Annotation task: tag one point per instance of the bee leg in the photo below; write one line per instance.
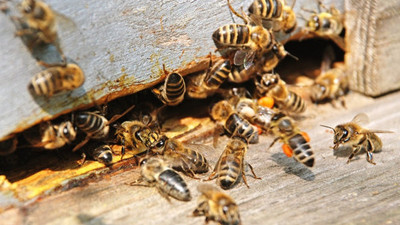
(369, 150)
(212, 176)
(116, 117)
(201, 208)
(80, 145)
(82, 160)
(252, 171)
(273, 142)
(218, 131)
(355, 151)
(244, 179)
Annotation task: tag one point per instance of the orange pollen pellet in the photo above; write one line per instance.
(259, 129)
(287, 150)
(305, 135)
(266, 102)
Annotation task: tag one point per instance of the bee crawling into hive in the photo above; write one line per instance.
(358, 138)
(216, 206)
(172, 92)
(156, 173)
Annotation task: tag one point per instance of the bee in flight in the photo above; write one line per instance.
(295, 142)
(272, 85)
(182, 158)
(327, 24)
(155, 173)
(234, 124)
(172, 92)
(55, 79)
(231, 164)
(359, 138)
(216, 206)
(279, 15)
(40, 21)
(246, 40)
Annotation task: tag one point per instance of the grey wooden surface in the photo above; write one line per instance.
(120, 45)
(373, 45)
(332, 192)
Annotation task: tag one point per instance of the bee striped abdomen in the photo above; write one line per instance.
(220, 75)
(46, 83)
(92, 124)
(230, 172)
(295, 103)
(267, 9)
(301, 150)
(238, 126)
(174, 89)
(173, 184)
(231, 35)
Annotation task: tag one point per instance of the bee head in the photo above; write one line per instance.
(27, 6)
(269, 80)
(229, 212)
(318, 92)
(342, 134)
(313, 24)
(68, 131)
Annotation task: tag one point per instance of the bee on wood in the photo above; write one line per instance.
(273, 86)
(280, 15)
(207, 84)
(137, 136)
(247, 40)
(328, 24)
(295, 142)
(216, 206)
(40, 20)
(56, 79)
(8, 144)
(180, 157)
(172, 92)
(95, 125)
(231, 164)
(51, 136)
(251, 111)
(232, 122)
(359, 138)
(155, 173)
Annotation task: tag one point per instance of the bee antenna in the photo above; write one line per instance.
(292, 56)
(293, 3)
(327, 127)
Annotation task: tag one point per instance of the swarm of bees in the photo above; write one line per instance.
(249, 54)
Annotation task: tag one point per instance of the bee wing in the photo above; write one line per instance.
(360, 119)
(239, 57)
(379, 131)
(207, 189)
(339, 41)
(248, 60)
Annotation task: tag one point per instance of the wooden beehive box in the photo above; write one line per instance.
(373, 45)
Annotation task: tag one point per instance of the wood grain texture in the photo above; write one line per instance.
(374, 48)
(332, 192)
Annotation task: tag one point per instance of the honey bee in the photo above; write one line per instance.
(52, 136)
(330, 85)
(135, 135)
(8, 144)
(272, 85)
(274, 56)
(103, 154)
(248, 40)
(359, 138)
(56, 79)
(216, 206)
(41, 22)
(295, 142)
(206, 84)
(156, 173)
(251, 111)
(231, 165)
(282, 16)
(328, 24)
(96, 126)
(233, 123)
(240, 74)
(172, 92)
(180, 157)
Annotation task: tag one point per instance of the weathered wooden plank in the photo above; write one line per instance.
(373, 45)
(332, 192)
